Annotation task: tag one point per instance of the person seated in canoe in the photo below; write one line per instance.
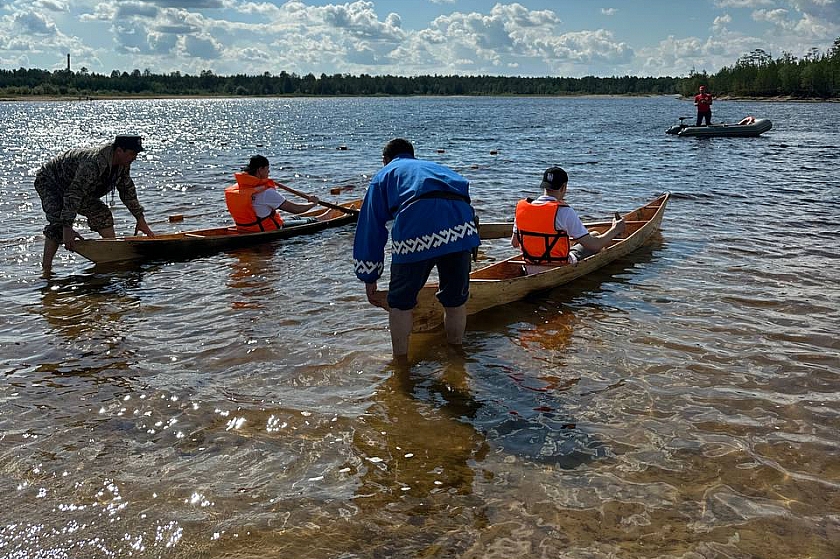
(254, 200)
(542, 228)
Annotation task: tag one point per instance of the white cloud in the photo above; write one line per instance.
(742, 3)
(253, 54)
(678, 56)
(585, 47)
(52, 5)
(202, 47)
(188, 4)
(101, 12)
(721, 22)
(828, 10)
(124, 10)
(131, 39)
(34, 23)
(161, 43)
(777, 17)
(353, 36)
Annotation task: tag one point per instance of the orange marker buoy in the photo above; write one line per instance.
(174, 218)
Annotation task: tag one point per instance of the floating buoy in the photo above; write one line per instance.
(174, 218)
(335, 190)
(441, 151)
(494, 152)
(342, 148)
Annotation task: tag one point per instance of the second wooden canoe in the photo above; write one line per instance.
(188, 244)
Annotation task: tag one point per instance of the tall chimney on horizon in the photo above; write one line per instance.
(68, 61)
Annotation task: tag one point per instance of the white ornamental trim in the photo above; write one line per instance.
(367, 267)
(434, 240)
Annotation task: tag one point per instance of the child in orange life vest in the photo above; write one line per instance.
(543, 227)
(254, 200)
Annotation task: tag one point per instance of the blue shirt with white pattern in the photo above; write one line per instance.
(435, 224)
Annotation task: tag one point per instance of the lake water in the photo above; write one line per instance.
(684, 402)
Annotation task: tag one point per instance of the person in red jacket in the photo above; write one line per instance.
(703, 102)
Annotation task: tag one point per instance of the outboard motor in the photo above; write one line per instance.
(677, 128)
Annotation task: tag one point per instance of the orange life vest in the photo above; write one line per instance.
(240, 203)
(538, 238)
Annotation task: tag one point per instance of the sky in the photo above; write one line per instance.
(568, 38)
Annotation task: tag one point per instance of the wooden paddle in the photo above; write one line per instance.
(350, 211)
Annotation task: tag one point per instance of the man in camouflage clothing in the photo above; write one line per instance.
(74, 182)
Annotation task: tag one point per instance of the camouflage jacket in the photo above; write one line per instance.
(82, 174)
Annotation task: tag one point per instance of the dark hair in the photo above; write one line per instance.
(256, 162)
(395, 147)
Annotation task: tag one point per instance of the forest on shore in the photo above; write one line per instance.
(816, 75)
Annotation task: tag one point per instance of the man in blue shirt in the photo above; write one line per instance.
(433, 225)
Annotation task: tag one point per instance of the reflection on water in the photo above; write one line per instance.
(419, 450)
(681, 402)
(250, 271)
(77, 305)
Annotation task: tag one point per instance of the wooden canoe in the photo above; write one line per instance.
(188, 244)
(511, 280)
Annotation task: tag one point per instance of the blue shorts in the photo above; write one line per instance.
(454, 274)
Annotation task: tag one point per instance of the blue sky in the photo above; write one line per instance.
(571, 38)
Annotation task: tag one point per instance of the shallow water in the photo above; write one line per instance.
(681, 403)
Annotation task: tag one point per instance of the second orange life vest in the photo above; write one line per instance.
(240, 203)
(540, 241)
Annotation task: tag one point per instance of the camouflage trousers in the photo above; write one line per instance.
(98, 214)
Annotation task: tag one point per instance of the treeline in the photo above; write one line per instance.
(84, 83)
(816, 75)
(758, 74)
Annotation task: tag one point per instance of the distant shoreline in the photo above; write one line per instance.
(27, 98)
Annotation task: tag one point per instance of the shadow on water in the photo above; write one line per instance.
(518, 412)
(524, 410)
(620, 272)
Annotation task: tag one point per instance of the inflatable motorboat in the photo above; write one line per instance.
(749, 126)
